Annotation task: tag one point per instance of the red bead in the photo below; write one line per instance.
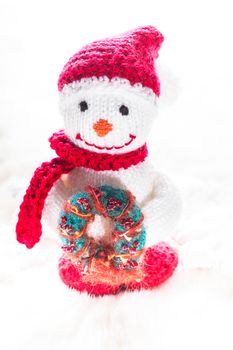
(85, 203)
(125, 247)
(127, 223)
(113, 204)
(70, 247)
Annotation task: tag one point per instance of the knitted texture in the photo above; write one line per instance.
(98, 268)
(128, 236)
(28, 228)
(156, 195)
(128, 56)
(80, 157)
(107, 116)
(158, 265)
(108, 98)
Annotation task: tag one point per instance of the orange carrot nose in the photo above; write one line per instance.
(102, 127)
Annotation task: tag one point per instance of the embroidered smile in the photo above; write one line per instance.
(132, 137)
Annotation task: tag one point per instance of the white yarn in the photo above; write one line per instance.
(105, 82)
(104, 98)
(155, 194)
(162, 210)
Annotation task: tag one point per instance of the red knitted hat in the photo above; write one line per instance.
(128, 56)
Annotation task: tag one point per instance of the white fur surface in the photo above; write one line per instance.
(191, 141)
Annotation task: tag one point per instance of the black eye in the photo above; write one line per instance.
(83, 106)
(124, 110)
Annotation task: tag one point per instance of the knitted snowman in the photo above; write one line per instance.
(108, 202)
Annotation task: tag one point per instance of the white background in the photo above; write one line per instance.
(191, 142)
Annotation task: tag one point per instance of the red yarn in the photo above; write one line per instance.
(28, 228)
(66, 150)
(158, 265)
(128, 56)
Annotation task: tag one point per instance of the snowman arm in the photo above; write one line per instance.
(162, 210)
(60, 192)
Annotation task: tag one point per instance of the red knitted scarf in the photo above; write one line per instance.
(28, 228)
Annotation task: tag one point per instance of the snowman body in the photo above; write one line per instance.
(112, 117)
(101, 192)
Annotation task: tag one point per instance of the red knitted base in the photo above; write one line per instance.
(158, 265)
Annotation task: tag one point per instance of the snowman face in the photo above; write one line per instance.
(107, 116)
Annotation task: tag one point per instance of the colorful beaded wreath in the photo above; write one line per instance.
(128, 236)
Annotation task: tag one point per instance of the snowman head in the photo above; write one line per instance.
(109, 92)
